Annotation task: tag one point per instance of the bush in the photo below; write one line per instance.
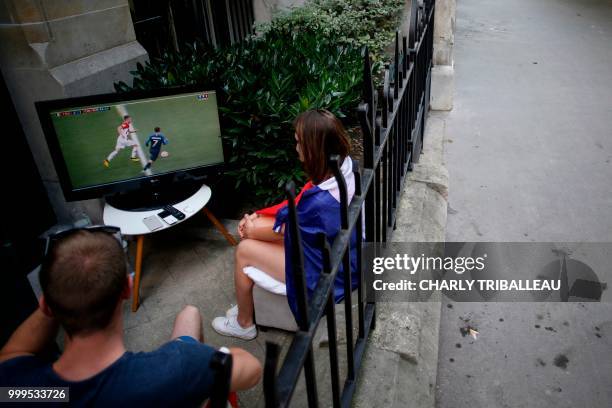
(267, 85)
(359, 23)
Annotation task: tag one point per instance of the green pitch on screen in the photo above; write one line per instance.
(191, 126)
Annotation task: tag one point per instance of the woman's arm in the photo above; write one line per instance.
(261, 228)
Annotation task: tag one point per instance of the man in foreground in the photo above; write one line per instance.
(85, 281)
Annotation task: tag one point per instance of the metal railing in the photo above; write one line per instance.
(393, 123)
(393, 120)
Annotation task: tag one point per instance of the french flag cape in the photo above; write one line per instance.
(318, 210)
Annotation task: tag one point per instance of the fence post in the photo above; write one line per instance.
(334, 162)
(299, 279)
(221, 364)
(367, 118)
(330, 313)
(269, 380)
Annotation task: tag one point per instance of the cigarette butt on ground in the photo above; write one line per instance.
(474, 334)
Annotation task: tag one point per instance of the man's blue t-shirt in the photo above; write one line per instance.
(175, 375)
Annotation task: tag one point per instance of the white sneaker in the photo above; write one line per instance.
(232, 311)
(229, 326)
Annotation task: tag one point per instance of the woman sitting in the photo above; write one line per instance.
(264, 236)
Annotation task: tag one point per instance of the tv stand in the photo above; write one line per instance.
(131, 221)
(153, 198)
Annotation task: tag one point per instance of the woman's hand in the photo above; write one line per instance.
(248, 218)
(258, 227)
(251, 223)
(241, 226)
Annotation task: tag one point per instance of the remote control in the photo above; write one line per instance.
(175, 212)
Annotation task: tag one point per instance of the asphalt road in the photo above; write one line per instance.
(529, 153)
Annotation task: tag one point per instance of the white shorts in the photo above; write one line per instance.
(123, 142)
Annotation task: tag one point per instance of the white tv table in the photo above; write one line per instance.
(131, 223)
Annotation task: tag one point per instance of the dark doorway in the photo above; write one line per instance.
(168, 25)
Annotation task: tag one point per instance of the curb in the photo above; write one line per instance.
(401, 360)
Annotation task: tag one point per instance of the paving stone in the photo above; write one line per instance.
(377, 389)
(131, 319)
(397, 330)
(150, 335)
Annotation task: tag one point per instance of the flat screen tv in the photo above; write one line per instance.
(136, 147)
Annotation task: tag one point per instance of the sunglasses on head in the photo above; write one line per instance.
(52, 239)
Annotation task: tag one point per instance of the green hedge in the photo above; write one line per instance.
(359, 23)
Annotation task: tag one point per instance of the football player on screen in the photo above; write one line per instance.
(123, 140)
(156, 141)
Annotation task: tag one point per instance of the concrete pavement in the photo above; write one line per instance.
(529, 147)
(529, 153)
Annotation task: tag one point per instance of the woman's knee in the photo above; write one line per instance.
(244, 249)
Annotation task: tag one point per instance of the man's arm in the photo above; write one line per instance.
(31, 336)
(246, 370)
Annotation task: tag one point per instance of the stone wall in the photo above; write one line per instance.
(443, 73)
(53, 49)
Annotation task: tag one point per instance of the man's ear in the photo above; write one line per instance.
(42, 303)
(127, 289)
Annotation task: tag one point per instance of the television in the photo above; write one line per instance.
(138, 149)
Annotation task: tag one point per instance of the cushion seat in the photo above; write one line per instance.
(270, 301)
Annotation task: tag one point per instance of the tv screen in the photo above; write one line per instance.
(117, 142)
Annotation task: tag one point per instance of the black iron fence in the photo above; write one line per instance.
(393, 123)
(393, 119)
